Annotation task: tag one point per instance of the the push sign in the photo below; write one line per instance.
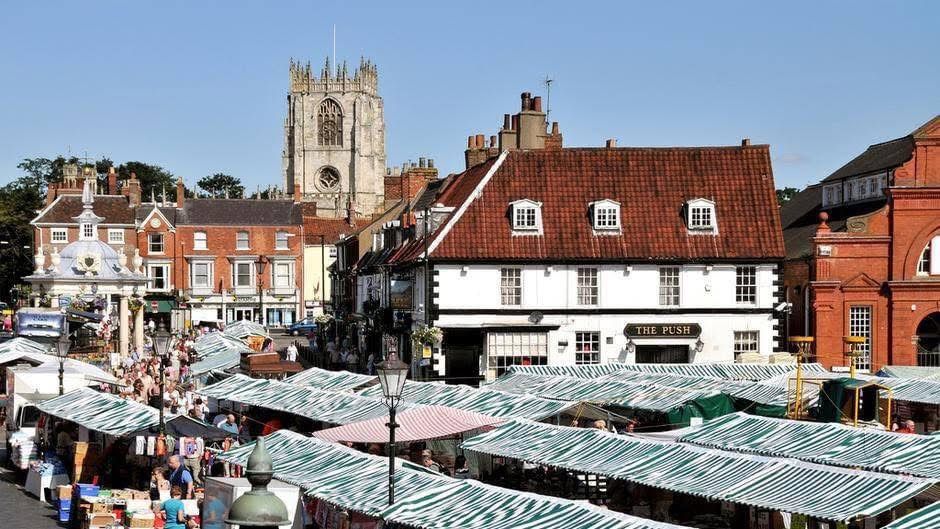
(662, 330)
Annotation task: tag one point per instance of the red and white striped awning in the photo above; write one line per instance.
(418, 424)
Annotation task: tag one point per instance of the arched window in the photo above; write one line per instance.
(330, 123)
(923, 264)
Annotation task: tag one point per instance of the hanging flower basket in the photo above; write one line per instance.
(135, 304)
(78, 304)
(425, 335)
(323, 318)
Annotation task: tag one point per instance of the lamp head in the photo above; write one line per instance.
(392, 375)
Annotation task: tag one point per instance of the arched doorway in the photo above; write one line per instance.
(928, 341)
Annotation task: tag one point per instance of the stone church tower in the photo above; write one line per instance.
(334, 139)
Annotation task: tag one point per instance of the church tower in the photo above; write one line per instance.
(334, 139)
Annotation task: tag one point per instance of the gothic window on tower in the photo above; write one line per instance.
(330, 123)
(328, 179)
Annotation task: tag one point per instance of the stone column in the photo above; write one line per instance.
(139, 330)
(123, 323)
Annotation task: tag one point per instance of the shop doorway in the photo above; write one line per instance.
(463, 349)
(244, 314)
(928, 341)
(662, 354)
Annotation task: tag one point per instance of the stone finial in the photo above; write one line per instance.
(56, 260)
(122, 259)
(40, 260)
(138, 262)
(823, 227)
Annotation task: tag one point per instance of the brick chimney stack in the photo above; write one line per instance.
(112, 181)
(180, 193)
(298, 194)
(527, 128)
(132, 190)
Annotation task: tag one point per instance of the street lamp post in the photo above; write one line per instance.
(262, 260)
(392, 375)
(62, 347)
(161, 347)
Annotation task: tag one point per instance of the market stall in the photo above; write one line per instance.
(758, 482)
(331, 380)
(344, 485)
(728, 371)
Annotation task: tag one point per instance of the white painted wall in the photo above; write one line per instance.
(478, 287)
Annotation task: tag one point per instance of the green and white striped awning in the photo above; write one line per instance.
(318, 405)
(753, 372)
(926, 518)
(919, 390)
(216, 342)
(828, 443)
(243, 329)
(787, 485)
(331, 380)
(426, 500)
(658, 392)
(930, 373)
(101, 412)
(22, 346)
(216, 362)
(484, 401)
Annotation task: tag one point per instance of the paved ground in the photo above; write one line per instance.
(19, 510)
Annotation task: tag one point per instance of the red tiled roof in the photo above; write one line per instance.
(651, 184)
(113, 208)
(330, 228)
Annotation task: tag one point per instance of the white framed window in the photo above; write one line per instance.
(745, 284)
(116, 236)
(606, 215)
(505, 349)
(159, 276)
(701, 215)
(201, 274)
(526, 215)
(587, 348)
(88, 231)
(280, 240)
(155, 241)
(282, 274)
(241, 240)
(587, 286)
(746, 342)
(200, 240)
(860, 325)
(832, 194)
(59, 235)
(923, 263)
(669, 286)
(510, 286)
(242, 274)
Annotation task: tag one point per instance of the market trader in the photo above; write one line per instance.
(180, 476)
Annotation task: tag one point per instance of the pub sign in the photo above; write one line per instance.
(662, 330)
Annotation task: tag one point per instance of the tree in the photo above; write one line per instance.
(218, 184)
(153, 179)
(19, 201)
(784, 195)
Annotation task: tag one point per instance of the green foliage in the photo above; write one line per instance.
(784, 195)
(218, 184)
(19, 202)
(153, 179)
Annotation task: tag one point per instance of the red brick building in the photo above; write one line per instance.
(863, 254)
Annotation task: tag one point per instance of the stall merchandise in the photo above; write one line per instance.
(42, 476)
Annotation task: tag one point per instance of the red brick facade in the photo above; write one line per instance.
(871, 261)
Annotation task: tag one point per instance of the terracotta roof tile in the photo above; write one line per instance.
(652, 186)
(113, 208)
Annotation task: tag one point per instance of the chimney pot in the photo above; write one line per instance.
(611, 143)
(422, 162)
(746, 142)
(431, 163)
(526, 97)
(537, 104)
(515, 122)
(554, 128)
(507, 122)
(481, 141)
(470, 142)
(493, 142)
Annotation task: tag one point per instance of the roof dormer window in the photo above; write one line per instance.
(701, 215)
(606, 215)
(526, 216)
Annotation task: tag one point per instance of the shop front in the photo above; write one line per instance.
(663, 343)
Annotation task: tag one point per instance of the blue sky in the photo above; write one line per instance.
(199, 87)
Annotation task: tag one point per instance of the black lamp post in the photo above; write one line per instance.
(62, 348)
(161, 348)
(262, 260)
(392, 375)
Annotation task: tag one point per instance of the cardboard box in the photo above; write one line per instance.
(100, 507)
(100, 520)
(140, 519)
(64, 492)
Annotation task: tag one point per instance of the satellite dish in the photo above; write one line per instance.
(536, 317)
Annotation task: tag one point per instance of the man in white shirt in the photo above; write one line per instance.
(291, 353)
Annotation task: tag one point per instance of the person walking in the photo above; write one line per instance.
(173, 510)
(352, 361)
(291, 352)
